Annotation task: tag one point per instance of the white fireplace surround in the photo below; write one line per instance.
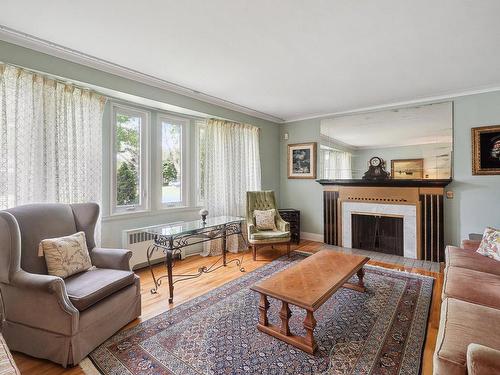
(408, 212)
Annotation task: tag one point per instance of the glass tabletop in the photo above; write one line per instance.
(191, 226)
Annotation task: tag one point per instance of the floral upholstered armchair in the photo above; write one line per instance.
(279, 234)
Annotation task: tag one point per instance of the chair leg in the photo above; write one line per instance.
(254, 252)
(288, 249)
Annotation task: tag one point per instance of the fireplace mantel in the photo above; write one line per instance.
(388, 183)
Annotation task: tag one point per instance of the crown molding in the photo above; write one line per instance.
(394, 105)
(32, 42)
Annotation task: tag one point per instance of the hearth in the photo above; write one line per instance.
(384, 234)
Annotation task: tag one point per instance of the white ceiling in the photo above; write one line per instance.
(425, 124)
(287, 58)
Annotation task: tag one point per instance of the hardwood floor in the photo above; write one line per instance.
(154, 304)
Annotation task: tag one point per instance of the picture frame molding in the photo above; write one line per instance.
(476, 150)
(313, 146)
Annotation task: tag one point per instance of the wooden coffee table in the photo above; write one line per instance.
(308, 285)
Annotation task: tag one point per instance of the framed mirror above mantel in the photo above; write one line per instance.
(382, 165)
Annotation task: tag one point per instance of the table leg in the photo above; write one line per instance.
(361, 275)
(224, 245)
(170, 273)
(309, 325)
(285, 315)
(263, 307)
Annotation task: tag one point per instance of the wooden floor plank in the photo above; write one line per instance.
(154, 304)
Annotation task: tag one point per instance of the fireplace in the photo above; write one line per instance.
(384, 234)
(418, 203)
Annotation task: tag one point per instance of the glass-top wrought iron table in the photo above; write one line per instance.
(171, 238)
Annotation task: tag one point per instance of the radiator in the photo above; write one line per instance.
(138, 240)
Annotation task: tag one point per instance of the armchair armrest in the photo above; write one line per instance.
(282, 225)
(118, 259)
(251, 229)
(471, 244)
(40, 301)
(482, 360)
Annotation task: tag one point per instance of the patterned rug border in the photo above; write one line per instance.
(91, 367)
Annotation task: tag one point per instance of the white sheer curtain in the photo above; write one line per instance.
(336, 164)
(232, 167)
(50, 140)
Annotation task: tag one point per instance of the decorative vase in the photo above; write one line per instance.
(203, 214)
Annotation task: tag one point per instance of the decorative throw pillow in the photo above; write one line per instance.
(490, 244)
(264, 220)
(65, 256)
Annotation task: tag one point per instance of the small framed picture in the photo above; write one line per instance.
(302, 160)
(486, 150)
(407, 169)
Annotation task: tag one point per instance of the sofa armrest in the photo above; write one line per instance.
(40, 301)
(282, 225)
(118, 259)
(482, 360)
(470, 244)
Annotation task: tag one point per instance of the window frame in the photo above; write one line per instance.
(144, 185)
(185, 160)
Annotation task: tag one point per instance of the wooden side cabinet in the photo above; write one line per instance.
(293, 217)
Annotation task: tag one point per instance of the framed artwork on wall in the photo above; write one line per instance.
(486, 150)
(407, 169)
(302, 160)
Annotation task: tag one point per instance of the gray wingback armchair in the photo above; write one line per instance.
(61, 319)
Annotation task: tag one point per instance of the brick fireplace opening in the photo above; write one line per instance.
(384, 234)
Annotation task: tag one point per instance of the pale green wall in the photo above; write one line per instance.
(112, 229)
(304, 195)
(477, 198)
(476, 203)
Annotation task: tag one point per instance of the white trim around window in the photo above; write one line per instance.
(143, 203)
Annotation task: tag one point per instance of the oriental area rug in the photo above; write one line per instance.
(381, 331)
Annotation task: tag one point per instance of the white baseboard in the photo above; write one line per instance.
(311, 236)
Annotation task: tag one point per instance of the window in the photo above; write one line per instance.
(172, 161)
(129, 137)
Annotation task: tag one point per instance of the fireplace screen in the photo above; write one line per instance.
(378, 233)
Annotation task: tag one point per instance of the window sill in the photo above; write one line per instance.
(148, 213)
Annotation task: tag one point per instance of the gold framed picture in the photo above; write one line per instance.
(407, 169)
(486, 150)
(302, 160)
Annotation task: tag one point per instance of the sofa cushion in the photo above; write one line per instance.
(461, 324)
(456, 257)
(89, 287)
(472, 286)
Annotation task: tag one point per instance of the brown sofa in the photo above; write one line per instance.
(468, 340)
(48, 317)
